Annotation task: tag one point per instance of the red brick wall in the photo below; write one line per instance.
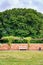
(21, 46)
(36, 46)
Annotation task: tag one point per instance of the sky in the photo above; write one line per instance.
(9, 4)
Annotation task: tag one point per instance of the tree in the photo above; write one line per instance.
(28, 41)
(21, 22)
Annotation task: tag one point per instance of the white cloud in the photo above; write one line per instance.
(13, 3)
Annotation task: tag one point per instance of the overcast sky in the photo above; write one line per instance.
(9, 4)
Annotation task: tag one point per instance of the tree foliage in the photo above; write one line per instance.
(21, 22)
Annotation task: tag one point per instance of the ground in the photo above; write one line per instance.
(21, 57)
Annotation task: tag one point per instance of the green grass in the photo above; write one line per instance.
(21, 57)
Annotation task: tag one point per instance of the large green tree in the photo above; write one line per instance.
(21, 22)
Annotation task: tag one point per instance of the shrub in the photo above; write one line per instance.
(28, 39)
(37, 41)
(20, 41)
(3, 41)
(12, 39)
(9, 38)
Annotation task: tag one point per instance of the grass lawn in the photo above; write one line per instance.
(21, 57)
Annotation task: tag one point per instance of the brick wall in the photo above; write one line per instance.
(21, 47)
(36, 47)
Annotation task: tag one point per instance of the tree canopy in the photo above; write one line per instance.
(21, 22)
